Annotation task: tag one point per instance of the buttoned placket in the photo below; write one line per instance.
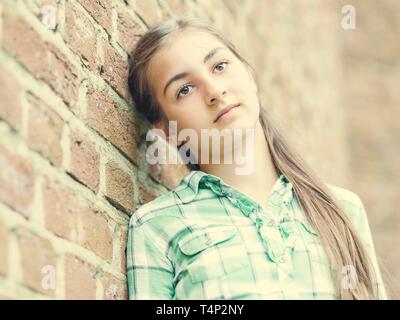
(269, 229)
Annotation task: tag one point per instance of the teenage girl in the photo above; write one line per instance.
(276, 232)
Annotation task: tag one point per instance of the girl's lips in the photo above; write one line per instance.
(222, 114)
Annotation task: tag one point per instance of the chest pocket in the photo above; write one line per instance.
(212, 252)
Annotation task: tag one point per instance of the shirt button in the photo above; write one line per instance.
(282, 259)
(271, 223)
(208, 241)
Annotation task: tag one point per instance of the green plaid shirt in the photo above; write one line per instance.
(207, 240)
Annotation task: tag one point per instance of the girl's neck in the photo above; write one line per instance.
(256, 182)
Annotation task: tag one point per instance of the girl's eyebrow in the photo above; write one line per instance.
(181, 75)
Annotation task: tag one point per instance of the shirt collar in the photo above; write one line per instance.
(189, 185)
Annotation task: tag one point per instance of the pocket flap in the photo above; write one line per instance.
(201, 239)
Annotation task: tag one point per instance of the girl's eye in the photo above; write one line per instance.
(222, 63)
(185, 86)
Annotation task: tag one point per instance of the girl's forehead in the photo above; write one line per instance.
(185, 42)
(183, 51)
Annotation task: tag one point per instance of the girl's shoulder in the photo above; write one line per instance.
(350, 202)
(168, 204)
(163, 205)
(345, 195)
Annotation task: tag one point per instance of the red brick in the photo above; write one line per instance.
(145, 193)
(80, 279)
(129, 31)
(85, 160)
(36, 253)
(114, 70)
(80, 35)
(119, 187)
(45, 129)
(17, 181)
(10, 99)
(113, 123)
(81, 222)
(3, 248)
(123, 238)
(148, 10)
(41, 58)
(101, 11)
(114, 288)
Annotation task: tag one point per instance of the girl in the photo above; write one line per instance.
(276, 232)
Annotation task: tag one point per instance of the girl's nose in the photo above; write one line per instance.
(215, 94)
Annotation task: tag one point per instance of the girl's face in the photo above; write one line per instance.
(194, 76)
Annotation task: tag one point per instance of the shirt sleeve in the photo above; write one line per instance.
(150, 273)
(364, 232)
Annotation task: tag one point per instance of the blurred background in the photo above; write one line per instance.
(72, 155)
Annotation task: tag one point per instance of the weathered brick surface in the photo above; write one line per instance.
(119, 188)
(45, 128)
(113, 123)
(145, 194)
(10, 100)
(80, 34)
(123, 243)
(128, 29)
(17, 179)
(114, 288)
(114, 70)
(80, 279)
(101, 11)
(70, 217)
(4, 236)
(38, 261)
(42, 59)
(85, 160)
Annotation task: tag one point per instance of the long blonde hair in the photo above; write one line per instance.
(321, 208)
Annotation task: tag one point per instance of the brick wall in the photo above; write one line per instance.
(371, 96)
(72, 165)
(71, 171)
